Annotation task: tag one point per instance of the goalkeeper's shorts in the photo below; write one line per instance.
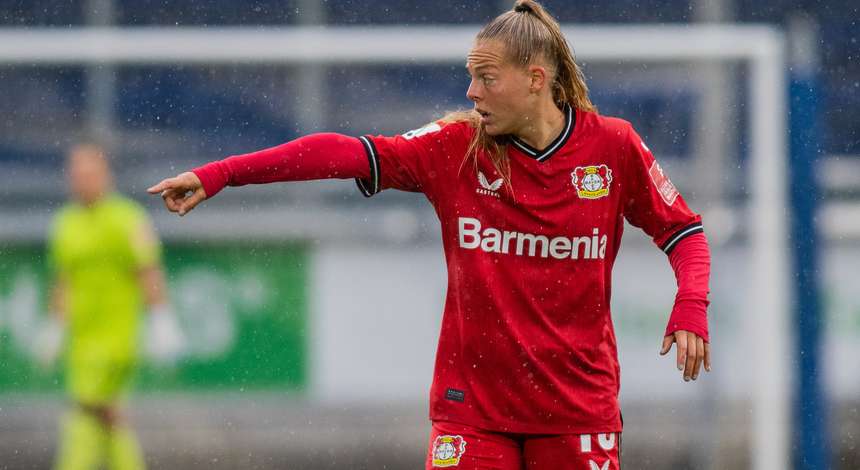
(99, 382)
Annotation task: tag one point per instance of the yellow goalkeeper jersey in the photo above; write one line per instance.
(99, 252)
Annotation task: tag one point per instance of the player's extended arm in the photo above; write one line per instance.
(317, 156)
(688, 324)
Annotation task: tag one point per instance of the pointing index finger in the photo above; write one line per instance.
(163, 185)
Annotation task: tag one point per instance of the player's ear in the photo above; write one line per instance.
(537, 78)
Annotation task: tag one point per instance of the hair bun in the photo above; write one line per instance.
(523, 7)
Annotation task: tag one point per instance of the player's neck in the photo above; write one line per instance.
(543, 126)
(91, 201)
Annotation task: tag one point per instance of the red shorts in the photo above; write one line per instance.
(464, 447)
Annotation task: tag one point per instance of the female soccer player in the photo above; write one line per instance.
(531, 187)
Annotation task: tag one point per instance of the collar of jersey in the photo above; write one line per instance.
(555, 145)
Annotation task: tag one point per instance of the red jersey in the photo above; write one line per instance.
(527, 343)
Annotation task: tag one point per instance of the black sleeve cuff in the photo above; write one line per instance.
(681, 234)
(371, 186)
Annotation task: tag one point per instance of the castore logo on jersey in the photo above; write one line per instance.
(487, 188)
(594, 466)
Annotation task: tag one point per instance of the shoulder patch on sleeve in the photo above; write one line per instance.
(432, 127)
(662, 183)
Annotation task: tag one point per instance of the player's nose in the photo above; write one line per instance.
(473, 92)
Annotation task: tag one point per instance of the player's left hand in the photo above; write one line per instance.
(165, 341)
(49, 341)
(692, 352)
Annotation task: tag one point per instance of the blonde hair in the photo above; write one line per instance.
(528, 33)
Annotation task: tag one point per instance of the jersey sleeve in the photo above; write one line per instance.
(57, 257)
(651, 201)
(144, 244)
(412, 161)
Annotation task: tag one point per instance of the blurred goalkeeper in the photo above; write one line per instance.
(105, 258)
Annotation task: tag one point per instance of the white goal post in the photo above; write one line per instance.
(761, 48)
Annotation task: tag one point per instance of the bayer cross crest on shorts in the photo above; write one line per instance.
(447, 450)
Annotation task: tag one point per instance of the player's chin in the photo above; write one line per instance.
(492, 130)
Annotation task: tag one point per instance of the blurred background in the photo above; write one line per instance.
(311, 314)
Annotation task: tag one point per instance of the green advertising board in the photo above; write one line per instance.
(242, 308)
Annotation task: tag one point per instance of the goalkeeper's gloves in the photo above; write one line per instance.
(49, 340)
(164, 342)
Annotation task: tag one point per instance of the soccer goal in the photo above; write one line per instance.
(758, 182)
